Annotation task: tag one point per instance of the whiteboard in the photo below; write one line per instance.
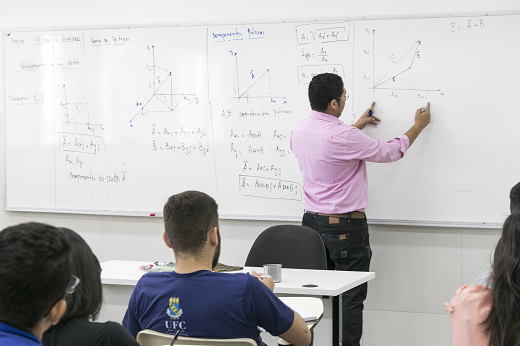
(114, 121)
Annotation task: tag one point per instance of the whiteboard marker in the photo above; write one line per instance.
(152, 214)
(370, 112)
(423, 109)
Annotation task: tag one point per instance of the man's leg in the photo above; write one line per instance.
(348, 248)
(358, 260)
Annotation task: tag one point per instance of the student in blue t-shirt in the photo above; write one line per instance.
(35, 277)
(199, 302)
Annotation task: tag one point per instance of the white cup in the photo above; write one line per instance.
(274, 270)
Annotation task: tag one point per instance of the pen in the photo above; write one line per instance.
(175, 337)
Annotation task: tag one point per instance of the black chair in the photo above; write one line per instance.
(292, 246)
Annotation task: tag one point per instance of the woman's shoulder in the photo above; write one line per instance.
(118, 335)
(469, 307)
(471, 292)
(82, 332)
(471, 297)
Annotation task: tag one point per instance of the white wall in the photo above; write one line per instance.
(417, 268)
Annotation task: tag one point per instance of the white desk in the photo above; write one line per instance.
(120, 277)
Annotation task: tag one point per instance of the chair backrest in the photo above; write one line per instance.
(292, 246)
(149, 337)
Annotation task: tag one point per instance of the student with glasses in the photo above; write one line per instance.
(35, 277)
(76, 327)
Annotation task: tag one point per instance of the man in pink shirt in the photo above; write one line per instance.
(332, 156)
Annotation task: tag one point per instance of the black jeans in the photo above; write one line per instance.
(348, 248)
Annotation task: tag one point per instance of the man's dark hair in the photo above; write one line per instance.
(324, 88)
(88, 296)
(188, 217)
(35, 271)
(514, 196)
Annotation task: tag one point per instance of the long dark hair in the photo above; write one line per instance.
(87, 298)
(503, 321)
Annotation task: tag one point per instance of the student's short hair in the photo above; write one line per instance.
(514, 197)
(88, 296)
(35, 271)
(324, 88)
(188, 217)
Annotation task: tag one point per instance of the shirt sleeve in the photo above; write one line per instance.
(469, 307)
(484, 279)
(130, 321)
(269, 312)
(362, 147)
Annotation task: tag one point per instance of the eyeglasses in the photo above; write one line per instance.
(71, 287)
(74, 282)
(343, 97)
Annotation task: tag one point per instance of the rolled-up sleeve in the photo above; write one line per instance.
(360, 146)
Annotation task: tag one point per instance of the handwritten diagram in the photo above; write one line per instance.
(163, 98)
(77, 113)
(399, 75)
(258, 85)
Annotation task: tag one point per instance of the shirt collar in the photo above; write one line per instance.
(190, 275)
(12, 330)
(325, 116)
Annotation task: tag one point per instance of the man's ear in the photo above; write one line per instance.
(57, 311)
(213, 236)
(166, 240)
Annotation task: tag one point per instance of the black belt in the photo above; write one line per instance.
(351, 215)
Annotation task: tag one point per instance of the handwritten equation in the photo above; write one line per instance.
(255, 186)
(306, 72)
(323, 33)
(88, 144)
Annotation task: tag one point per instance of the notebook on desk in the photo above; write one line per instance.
(305, 314)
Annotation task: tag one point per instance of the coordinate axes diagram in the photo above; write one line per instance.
(258, 85)
(163, 99)
(395, 78)
(76, 113)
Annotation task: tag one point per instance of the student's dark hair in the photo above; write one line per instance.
(503, 322)
(514, 197)
(87, 298)
(188, 216)
(324, 88)
(35, 271)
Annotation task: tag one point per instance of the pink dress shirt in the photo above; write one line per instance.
(469, 308)
(332, 156)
